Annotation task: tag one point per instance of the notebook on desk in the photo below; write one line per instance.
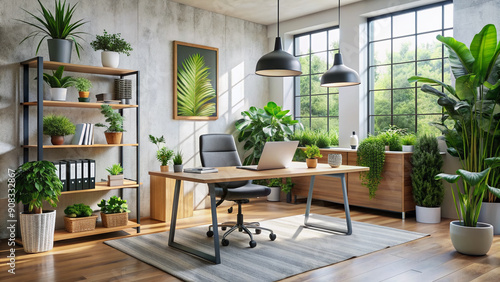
(275, 155)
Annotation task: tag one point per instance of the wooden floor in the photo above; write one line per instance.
(428, 259)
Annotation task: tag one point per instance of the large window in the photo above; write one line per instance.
(315, 106)
(401, 45)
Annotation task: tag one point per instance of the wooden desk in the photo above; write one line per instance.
(227, 174)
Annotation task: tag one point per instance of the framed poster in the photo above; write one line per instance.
(196, 80)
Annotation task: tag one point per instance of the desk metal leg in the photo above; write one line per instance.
(212, 258)
(346, 207)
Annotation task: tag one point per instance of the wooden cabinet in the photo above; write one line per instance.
(394, 192)
(162, 197)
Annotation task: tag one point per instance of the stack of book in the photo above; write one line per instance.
(84, 134)
(76, 174)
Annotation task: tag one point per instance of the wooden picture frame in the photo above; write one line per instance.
(196, 94)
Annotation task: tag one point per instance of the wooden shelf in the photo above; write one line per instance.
(81, 146)
(47, 103)
(32, 63)
(103, 186)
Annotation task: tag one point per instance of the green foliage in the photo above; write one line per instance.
(114, 205)
(115, 169)
(178, 158)
(56, 25)
(324, 140)
(114, 119)
(163, 155)
(78, 210)
(261, 125)
(409, 139)
(472, 107)
(195, 93)
(56, 80)
(312, 152)
(111, 42)
(57, 125)
(427, 162)
(371, 154)
(287, 186)
(37, 182)
(83, 84)
(334, 137)
(392, 137)
(320, 138)
(308, 137)
(275, 182)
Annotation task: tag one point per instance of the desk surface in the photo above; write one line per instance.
(227, 174)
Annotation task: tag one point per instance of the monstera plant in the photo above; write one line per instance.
(194, 90)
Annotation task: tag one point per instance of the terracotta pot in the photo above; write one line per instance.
(57, 140)
(83, 94)
(312, 163)
(164, 168)
(113, 137)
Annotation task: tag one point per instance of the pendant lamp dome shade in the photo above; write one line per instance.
(339, 75)
(278, 63)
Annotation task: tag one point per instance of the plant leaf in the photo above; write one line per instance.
(450, 178)
(473, 178)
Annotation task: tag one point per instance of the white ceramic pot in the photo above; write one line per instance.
(408, 148)
(37, 231)
(58, 94)
(335, 160)
(428, 215)
(110, 59)
(275, 194)
(474, 241)
(490, 213)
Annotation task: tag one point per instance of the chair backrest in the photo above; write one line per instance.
(219, 150)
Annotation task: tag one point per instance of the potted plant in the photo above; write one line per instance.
(57, 126)
(472, 108)
(163, 154)
(59, 27)
(83, 86)
(111, 45)
(371, 154)
(115, 130)
(114, 212)
(79, 218)
(408, 142)
(287, 188)
(115, 177)
(323, 139)
(58, 84)
(312, 154)
(37, 182)
(428, 192)
(392, 138)
(178, 162)
(275, 185)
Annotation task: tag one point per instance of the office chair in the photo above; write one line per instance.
(219, 150)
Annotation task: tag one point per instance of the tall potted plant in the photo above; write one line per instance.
(58, 84)
(59, 27)
(111, 45)
(428, 192)
(37, 182)
(115, 129)
(472, 106)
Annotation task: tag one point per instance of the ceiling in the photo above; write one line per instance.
(264, 11)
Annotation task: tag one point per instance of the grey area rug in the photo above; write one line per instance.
(296, 249)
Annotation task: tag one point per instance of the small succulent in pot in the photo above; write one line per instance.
(178, 161)
(312, 154)
(83, 86)
(115, 178)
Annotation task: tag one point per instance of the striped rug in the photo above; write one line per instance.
(296, 249)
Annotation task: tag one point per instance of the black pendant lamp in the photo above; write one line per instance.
(278, 62)
(339, 75)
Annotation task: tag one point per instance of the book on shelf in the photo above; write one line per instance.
(79, 134)
(201, 170)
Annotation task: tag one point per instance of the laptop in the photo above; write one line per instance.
(275, 155)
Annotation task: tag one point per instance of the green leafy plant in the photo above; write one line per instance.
(194, 90)
(392, 138)
(111, 42)
(287, 186)
(261, 125)
(114, 205)
(178, 158)
(163, 155)
(78, 210)
(409, 139)
(114, 119)
(472, 106)
(57, 125)
(36, 182)
(371, 154)
(82, 84)
(56, 25)
(323, 139)
(275, 182)
(56, 80)
(334, 137)
(115, 169)
(427, 162)
(308, 137)
(312, 152)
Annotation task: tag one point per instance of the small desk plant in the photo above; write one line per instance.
(83, 86)
(114, 212)
(58, 84)
(178, 162)
(57, 126)
(115, 129)
(111, 45)
(79, 218)
(115, 177)
(163, 154)
(312, 154)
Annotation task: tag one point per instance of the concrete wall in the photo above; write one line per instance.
(150, 26)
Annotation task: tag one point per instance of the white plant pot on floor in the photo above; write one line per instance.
(428, 215)
(474, 241)
(275, 194)
(58, 94)
(37, 231)
(110, 59)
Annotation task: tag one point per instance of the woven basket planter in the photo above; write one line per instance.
(80, 224)
(114, 219)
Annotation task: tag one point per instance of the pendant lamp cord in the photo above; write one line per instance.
(278, 19)
(338, 8)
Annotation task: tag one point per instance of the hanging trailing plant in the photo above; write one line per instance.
(371, 154)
